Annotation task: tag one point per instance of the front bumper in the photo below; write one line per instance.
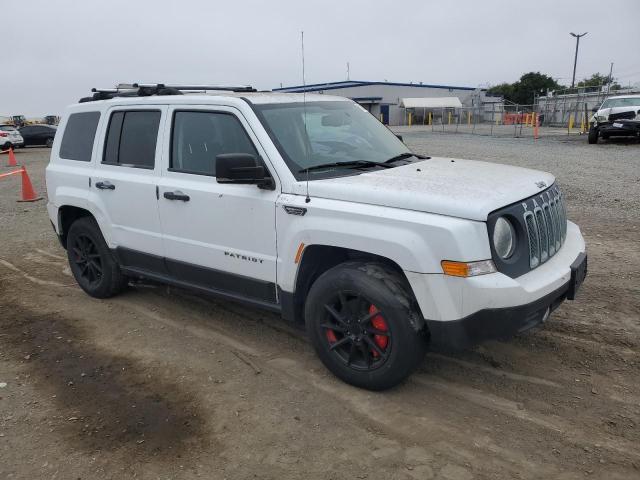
(502, 323)
(628, 128)
(463, 311)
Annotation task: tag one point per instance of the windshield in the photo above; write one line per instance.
(621, 102)
(7, 128)
(335, 132)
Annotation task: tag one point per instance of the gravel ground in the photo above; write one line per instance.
(158, 383)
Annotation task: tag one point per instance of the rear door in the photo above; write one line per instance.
(219, 236)
(28, 134)
(124, 185)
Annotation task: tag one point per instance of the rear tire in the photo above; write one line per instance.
(593, 136)
(359, 318)
(91, 261)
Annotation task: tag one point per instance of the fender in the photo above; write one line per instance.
(416, 241)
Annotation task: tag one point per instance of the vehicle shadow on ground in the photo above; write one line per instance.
(105, 402)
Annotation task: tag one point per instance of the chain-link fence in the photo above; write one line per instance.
(566, 112)
(490, 119)
(500, 120)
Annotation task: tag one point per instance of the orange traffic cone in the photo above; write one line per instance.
(28, 193)
(12, 159)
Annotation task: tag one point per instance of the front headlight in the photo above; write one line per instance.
(504, 238)
(602, 118)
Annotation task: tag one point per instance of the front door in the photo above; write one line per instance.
(384, 110)
(218, 236)
(124, 183)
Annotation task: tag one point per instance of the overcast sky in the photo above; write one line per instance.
(54, 51)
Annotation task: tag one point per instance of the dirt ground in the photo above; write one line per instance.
(158, 383)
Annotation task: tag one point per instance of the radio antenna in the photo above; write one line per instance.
(304, 117)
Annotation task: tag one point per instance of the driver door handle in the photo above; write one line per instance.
(177, 195)
(105, 185)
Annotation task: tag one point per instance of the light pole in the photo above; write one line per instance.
(575, 60)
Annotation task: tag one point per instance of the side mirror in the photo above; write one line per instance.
(594, 109)
(400, 138)
(243, 169)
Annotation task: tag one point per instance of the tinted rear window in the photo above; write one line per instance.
(131, 139)
(79, 134)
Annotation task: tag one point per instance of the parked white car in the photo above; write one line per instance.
(310, 207)
(618, 116)
(10, 137)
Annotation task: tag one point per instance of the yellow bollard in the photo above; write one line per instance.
(410, 118)
(449, 118)
(429, 118)
(469, 118)
(582, 123)
(570, 122)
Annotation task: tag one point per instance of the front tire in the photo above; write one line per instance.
(360, 318)
(91, 261)
(593, 136)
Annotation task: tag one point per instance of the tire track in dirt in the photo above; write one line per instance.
(389, 420)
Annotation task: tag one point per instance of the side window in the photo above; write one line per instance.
(79, 134)
(198, 137)
(131, 138)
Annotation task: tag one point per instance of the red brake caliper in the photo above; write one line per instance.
(331, 336)
(379, 324)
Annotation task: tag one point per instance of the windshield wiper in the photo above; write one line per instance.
(404, 156)
(349, 164)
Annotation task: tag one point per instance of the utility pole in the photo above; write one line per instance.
(610, 77)
(348, 71)
(575, 60)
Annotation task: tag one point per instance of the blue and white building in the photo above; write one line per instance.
(387, 100)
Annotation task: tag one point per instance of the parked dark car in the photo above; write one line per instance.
(38, 135)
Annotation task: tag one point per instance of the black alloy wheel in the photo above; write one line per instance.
(356, 332)
(364, 324)
(87, 260)
(92, 263)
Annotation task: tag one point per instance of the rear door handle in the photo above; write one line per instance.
(105, 186)
(177, 195)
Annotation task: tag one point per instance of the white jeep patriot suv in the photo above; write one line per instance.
(308, 206)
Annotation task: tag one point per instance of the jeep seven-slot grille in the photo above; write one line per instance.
(546, 226)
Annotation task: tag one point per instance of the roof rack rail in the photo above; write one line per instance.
(228, 88)
(150, 89)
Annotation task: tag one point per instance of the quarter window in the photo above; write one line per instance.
(198, 137)
(131, 138)
(79, 134)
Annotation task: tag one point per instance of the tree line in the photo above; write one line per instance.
(530, 84)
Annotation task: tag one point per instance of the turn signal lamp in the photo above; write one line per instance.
(467, 269)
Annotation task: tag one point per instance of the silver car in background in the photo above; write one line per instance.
(10, 137)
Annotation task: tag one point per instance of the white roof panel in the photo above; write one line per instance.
(431, 102)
